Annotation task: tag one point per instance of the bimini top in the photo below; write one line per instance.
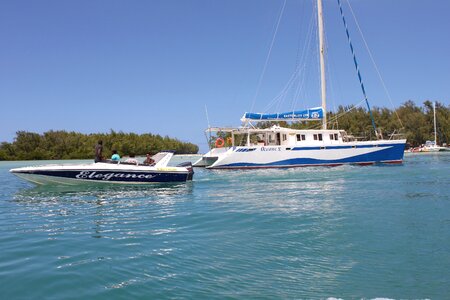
(298, 115)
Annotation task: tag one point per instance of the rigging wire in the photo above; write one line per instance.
(285, 89)
(357, 67)
(318, 126)
(306, 46)
(268, 56)
(330, 78)
(374, 64)
(346, 111)
(296, 82)
(317, 44)
(298, 60)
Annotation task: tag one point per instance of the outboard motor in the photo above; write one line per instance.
(188, 165)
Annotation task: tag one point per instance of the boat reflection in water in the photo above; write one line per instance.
(99, 211)
(100, 194)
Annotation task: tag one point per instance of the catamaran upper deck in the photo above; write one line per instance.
(280, 136)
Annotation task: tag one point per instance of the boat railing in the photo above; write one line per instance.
(396, 136)
(216, 151)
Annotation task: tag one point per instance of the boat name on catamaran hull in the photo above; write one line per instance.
(270, 148)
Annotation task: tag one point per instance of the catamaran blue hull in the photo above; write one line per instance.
(285, 157)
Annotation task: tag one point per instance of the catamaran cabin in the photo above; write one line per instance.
(279, 136)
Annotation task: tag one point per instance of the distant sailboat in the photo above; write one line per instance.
(432, 146)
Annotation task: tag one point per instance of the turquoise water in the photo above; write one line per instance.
(346, 232)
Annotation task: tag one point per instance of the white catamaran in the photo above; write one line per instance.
(250, 146)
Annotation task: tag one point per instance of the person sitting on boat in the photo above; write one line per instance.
(132, 160)
(115, 156)
(98, 151)
(149, 160)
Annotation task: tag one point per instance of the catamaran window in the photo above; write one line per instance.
(331, 137)
(301, 137)
(315, 137)
(284, 137)
(336, 137)
(320, 136)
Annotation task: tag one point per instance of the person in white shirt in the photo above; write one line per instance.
(132, 160)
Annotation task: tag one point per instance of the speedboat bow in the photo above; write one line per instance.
(108, 171)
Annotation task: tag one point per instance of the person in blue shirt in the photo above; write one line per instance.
(115, 156)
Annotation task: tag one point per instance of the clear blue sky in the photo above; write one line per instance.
(152, 66)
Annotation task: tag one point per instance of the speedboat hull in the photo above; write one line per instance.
(103, 173)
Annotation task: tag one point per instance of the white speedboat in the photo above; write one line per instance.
(108, 172)
(253, 146)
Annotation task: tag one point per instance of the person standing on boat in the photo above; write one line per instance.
(99, 151)
(115, 156)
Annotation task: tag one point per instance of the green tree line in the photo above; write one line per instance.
(415, 123)
(73, 145)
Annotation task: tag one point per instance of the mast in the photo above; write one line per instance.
(322, 63)
(434, 115)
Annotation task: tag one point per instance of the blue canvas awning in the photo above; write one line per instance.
(298, 115)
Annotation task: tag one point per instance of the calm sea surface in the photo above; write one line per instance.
(345, 232)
